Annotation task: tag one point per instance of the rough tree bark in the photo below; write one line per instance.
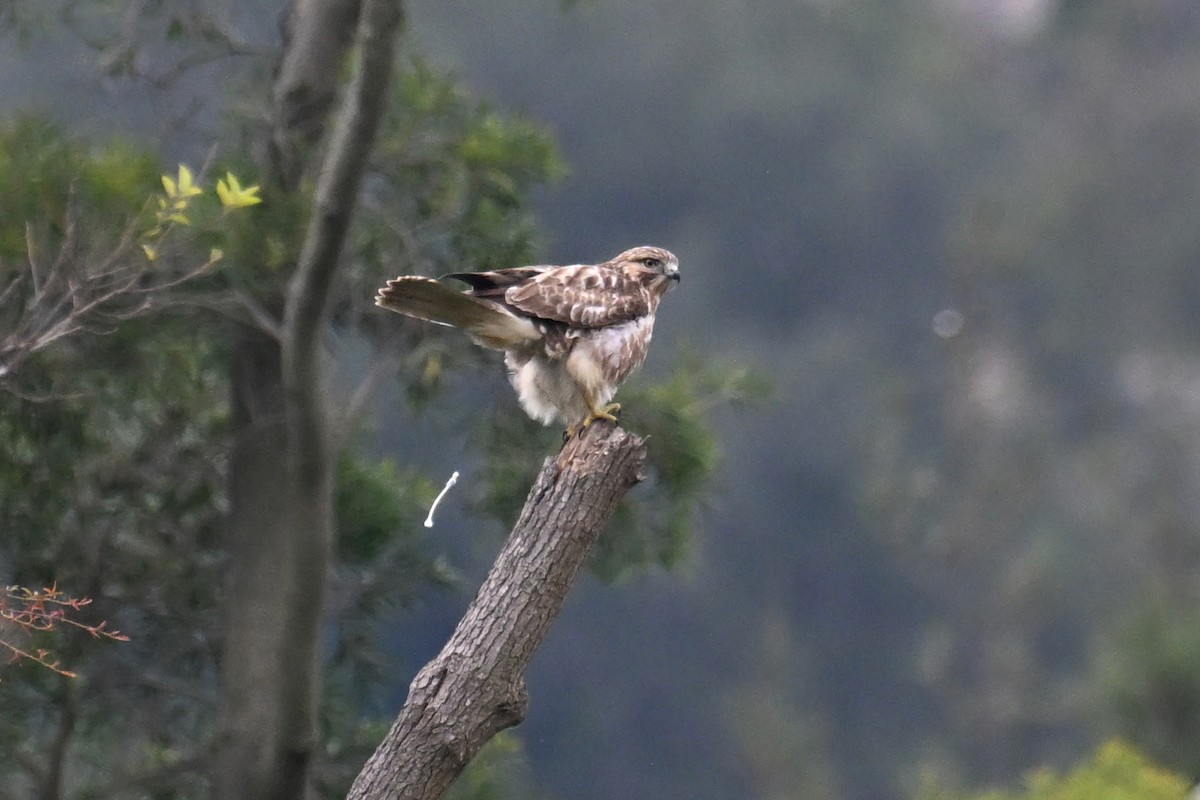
(475, 687)
(281, 468)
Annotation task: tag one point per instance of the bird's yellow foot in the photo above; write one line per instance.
(608, 412)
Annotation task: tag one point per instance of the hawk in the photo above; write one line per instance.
(570, 335)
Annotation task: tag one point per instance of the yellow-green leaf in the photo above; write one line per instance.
(187, 185)
(233, 195)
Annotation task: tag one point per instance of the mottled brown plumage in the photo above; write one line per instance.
(571, 335)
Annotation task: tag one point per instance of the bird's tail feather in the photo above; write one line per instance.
(485, 322)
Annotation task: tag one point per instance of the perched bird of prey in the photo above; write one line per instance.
(570, 335)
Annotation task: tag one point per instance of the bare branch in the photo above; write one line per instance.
(475, 687)
(224, 43)
(266, 751)
(339, 181)
(317, 34)
(80, 292)
(6, 293)
(34, 269)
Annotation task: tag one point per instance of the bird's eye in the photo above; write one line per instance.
(652, 263)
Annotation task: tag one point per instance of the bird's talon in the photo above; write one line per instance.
(605, 413)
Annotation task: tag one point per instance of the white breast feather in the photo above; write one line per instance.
(560, 388)
(546, 391)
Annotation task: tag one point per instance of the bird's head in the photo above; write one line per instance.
(657, 268)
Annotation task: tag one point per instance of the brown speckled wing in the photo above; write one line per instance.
(581, 296)
(496, 282)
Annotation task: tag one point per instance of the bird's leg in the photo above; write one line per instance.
(604, 412)
(607, 412)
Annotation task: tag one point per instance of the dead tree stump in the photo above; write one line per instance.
(475, 687)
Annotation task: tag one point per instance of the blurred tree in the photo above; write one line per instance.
(370, 515)
(1151, 685)
(1117, 772)
(784, 739)
(653, 527)
(110, 482)
(1036, 486)
(499, 772)
(61, 275)
(113, 481)
(217, 457)
(860, 167)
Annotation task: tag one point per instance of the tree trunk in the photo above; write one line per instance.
(281, 471)
(258, 755)
(475, 688)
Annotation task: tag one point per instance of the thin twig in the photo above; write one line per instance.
(34, 267)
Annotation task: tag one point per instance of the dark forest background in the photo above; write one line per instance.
(955, 537)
